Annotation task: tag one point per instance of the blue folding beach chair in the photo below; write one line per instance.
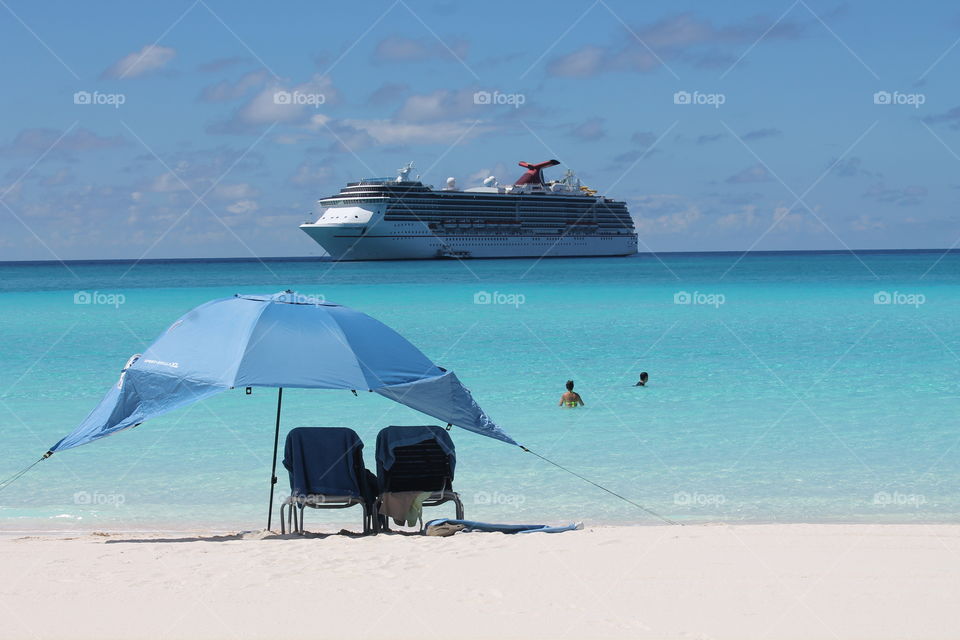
(421, 458)
(326, 471)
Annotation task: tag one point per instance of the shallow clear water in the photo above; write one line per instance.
(781, 393)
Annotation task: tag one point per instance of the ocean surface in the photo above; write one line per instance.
(789, 387)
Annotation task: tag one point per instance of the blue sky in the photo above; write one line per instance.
(182, 150)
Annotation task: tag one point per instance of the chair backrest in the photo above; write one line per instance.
(324, 461)
(419, 458)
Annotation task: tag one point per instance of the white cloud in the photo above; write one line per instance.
(683, 37)
(243, 206)
(62, 176)
(389, 132)
(867, 223)
(402, 49)
(317, 121)
(438, 105)
(166, 183)
(499, 171)
(584, 62)
(589, 130)
(150, 58)
(756, 173)
(307, 175)
(237, 191)
(665, 213)
(40, 140)
(225, 90)
(280, 103)
(780, 220)
(747, 217)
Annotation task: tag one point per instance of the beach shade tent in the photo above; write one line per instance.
(280, 340)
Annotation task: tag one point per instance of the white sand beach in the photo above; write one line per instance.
(704, 581)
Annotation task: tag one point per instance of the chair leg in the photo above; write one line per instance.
(380, 522)
(283, 525)
(459, 505)
(367, 519)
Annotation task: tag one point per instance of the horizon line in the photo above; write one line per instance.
(765, 252)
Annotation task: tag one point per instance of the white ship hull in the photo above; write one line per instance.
(349, 242)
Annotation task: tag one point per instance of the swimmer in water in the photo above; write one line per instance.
(571, 398)
(643, 379)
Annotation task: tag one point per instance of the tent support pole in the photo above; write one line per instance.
(273, 470)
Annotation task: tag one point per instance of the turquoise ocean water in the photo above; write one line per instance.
(783, 387)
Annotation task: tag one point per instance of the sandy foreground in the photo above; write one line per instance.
(717, 581)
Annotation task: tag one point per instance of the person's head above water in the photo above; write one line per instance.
(569, 385)
(644, 376)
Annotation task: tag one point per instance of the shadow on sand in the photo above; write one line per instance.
(257, 535)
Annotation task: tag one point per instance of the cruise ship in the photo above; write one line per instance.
(403, 219)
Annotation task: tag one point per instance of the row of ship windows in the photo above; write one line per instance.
(419, 225)
(434, 217)
(551, 201)
(579, 204)
(479, 240)
(609, 222)
(507, 244)
(493, 210)
(503, 204)
(455, 195)
(535, 230)
(507, 213)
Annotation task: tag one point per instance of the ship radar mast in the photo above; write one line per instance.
(403, 173)
(571, 180)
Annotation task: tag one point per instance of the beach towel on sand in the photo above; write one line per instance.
(448, 527)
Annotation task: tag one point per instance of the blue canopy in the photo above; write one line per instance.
(280, 340)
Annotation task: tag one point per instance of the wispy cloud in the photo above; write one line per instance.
(151, 58)
(590, 130)
(404, 49)
(905, 197)
(950, 118)
(756, 173)
(760, 134)
(31, 142)
(225, 90)
(685, 38)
